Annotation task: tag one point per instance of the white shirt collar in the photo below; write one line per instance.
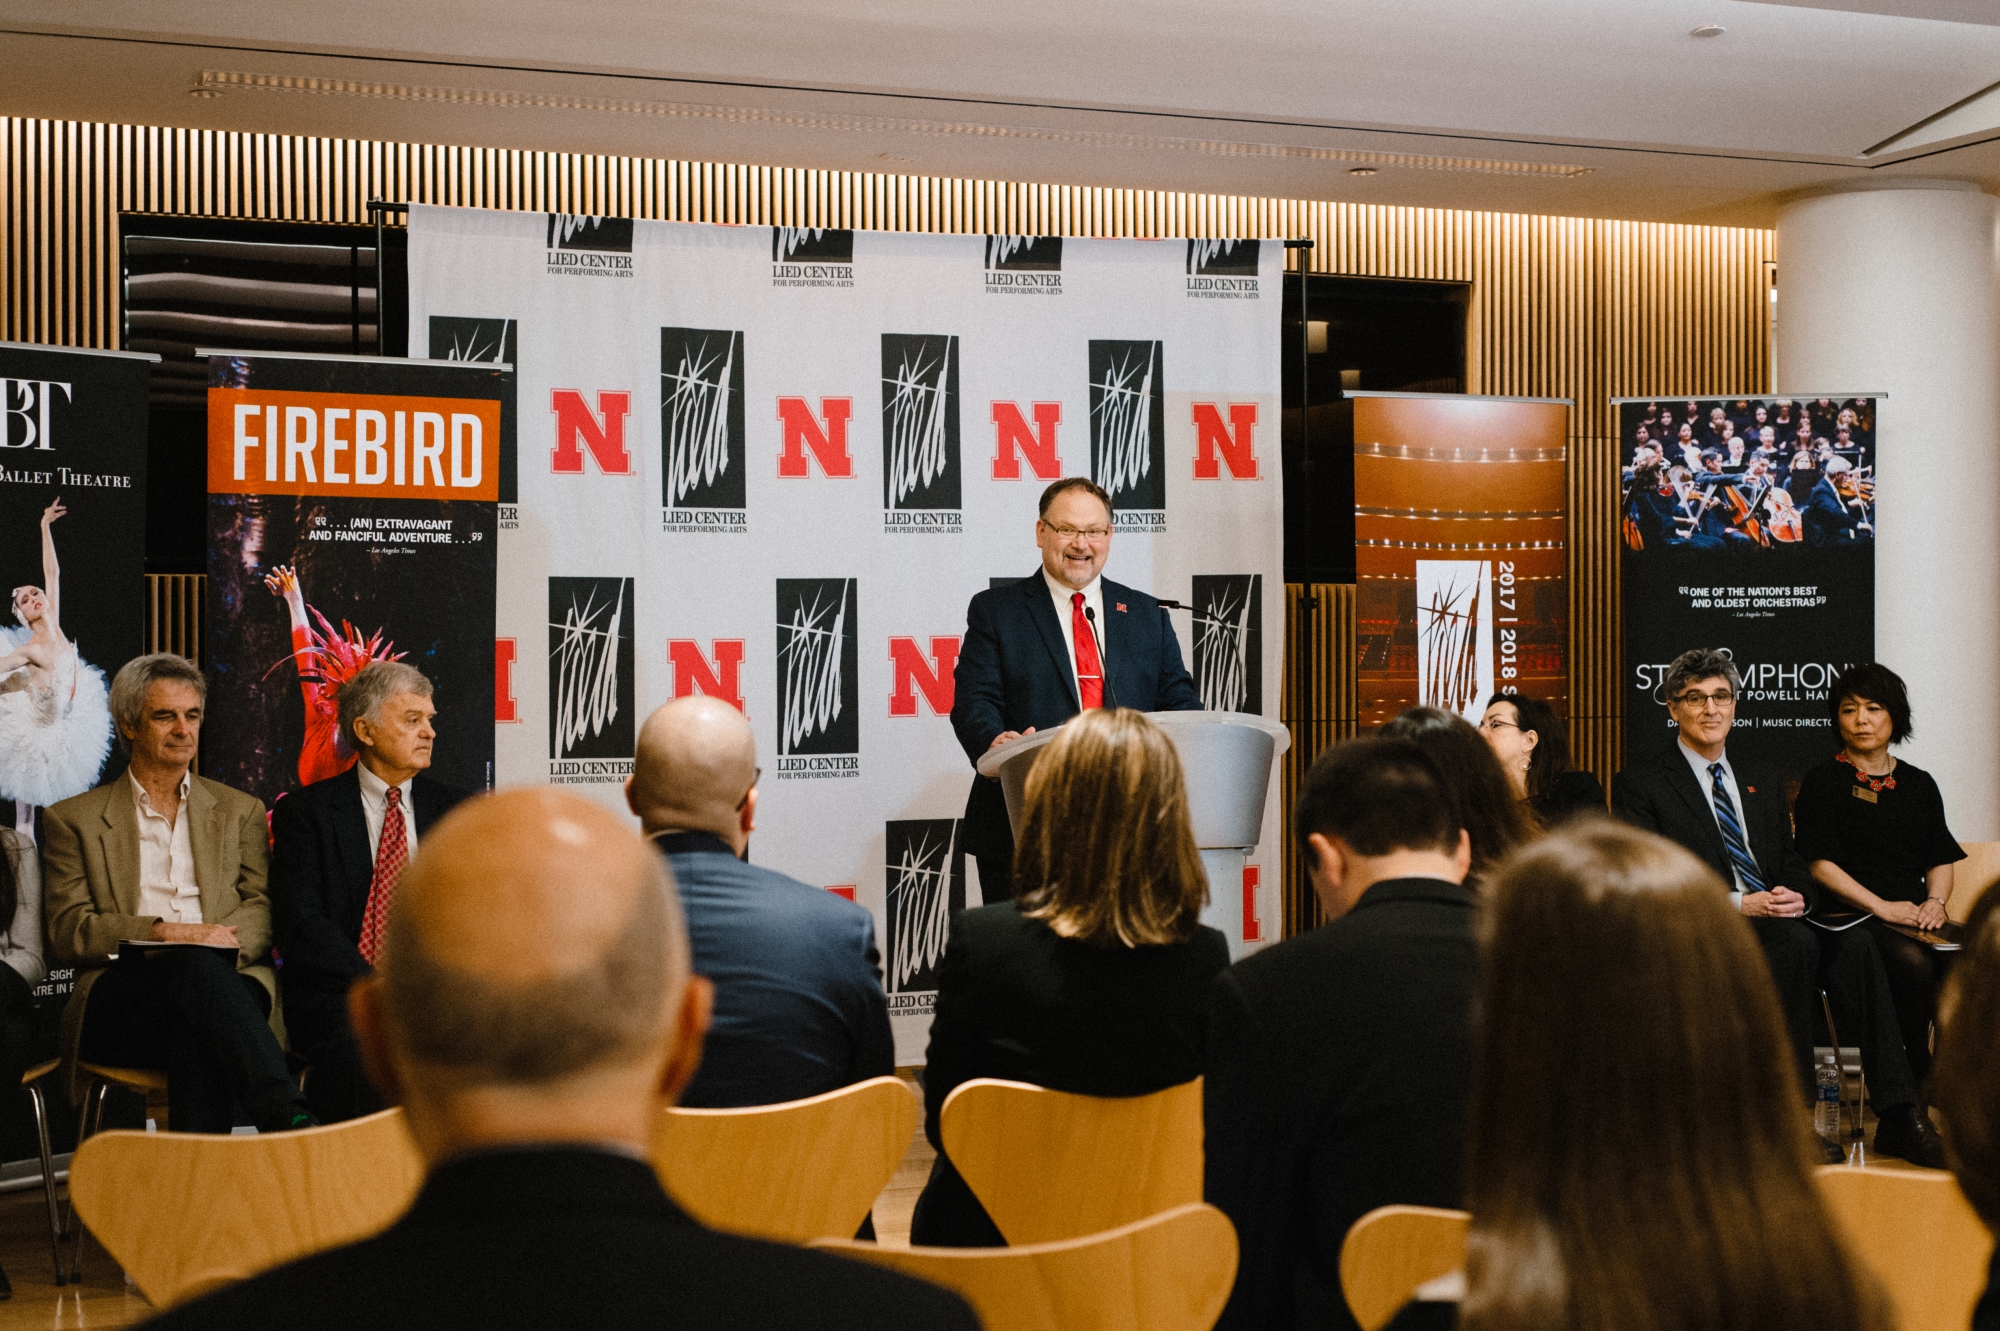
(375, 788)
(1701, 764)
(1093, 590)
(145, 801)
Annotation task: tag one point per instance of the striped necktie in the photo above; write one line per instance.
(1732, 832)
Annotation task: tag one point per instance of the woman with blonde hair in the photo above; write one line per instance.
(1637, 1154)
(1095, 978)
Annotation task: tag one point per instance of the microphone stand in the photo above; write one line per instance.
(1103, 666)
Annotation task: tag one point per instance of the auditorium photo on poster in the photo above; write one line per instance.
(1748, 524)
(73, 556)
(1460, 524)
(341, 545)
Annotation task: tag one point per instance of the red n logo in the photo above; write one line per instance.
(692, 675)
(914, 672)
(504, 709)
(1013, 441)
(1253, 928)
(1211, 437)
(803, 431)
(601, 431)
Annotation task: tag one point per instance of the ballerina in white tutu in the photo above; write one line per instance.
(55, 716)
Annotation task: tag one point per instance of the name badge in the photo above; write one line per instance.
(1863, 793)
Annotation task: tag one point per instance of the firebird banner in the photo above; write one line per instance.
(773, 466)
(351, 517)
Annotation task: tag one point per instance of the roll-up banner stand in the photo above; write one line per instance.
(1748, 525)
(1460, 533)
(351, 518)
(772, 465)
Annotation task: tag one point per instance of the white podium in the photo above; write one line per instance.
(1228, 758)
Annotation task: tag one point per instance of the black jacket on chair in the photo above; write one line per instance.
(1662, 795)
(567, 1237)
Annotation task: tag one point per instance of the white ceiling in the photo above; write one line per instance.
(1472, 101)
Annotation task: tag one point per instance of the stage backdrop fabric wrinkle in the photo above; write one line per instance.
(773, 465)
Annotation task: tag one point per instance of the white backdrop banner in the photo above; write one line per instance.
(773, 466)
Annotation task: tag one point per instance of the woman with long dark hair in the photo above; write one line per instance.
(1968, 1081)
(1527, 737)
(1487, 806)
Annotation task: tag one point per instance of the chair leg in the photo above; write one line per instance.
(41, 1104)
(88, 1124)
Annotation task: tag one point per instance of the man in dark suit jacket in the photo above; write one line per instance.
(799, 1007)
(327, 854)
(1735, 818)
(1338, 1062)
(534, 1021)
(1025, 666)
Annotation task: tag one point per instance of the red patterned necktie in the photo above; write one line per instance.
(1089, 671)
(391, 855)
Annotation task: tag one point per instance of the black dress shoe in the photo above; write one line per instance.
(1907, 1132)
(1830, 1152)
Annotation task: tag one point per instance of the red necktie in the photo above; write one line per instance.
(1089, 671)
(391, 854)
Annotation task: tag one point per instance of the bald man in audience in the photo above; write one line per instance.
(799, 1007)
(533, 1013)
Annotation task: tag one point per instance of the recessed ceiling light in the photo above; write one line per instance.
(1362, 171)
(1709, 30)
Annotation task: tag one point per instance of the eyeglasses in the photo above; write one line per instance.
(755, 773)
(1087, 533)
(1496, 725)
(1701, 702)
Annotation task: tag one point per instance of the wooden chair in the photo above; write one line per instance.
(1918, 1235)
(808, 1169)
(1392, 1250)
(1979, 870)
(149, 1082)
(258, 1201)
(1048, 1165)
(1170, 1272)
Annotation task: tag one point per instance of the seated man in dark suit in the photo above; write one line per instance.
(337, 849)
(1735, 819)
(1338, 1062)
(534, 1014)
(799, 1007)
(1038, 651)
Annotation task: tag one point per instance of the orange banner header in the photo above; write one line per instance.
(262, 441)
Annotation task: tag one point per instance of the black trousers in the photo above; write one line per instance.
(1805, 959)
(17, 1027)
(1915, 974)
(948, 1215)
(337, 1086)
(190, 1013)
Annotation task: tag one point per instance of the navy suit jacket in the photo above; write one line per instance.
(321, 869)
(799, 1007)
(1014, 672)
(1661, 795)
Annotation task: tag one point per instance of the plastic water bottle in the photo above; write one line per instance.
(1826, 1103)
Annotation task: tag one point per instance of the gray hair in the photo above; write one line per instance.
(135, 679)
(361, 698)
(1697, 664)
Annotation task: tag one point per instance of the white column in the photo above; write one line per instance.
(1897, 290)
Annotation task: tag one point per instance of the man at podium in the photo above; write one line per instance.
(1038, 651)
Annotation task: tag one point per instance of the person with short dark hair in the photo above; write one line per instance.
(534, 1014)
(1487, 807)
(1338, 1061)
(1873, 829)
(1094, 980)
(1527, 738)
(1968, 1081)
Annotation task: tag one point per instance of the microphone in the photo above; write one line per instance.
(1173, 605)
(1103, 666)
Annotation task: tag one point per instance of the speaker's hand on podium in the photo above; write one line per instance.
(1008, 736)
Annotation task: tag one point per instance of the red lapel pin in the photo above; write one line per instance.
(1751, 789)
(1121, 607)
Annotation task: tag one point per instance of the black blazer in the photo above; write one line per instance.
(567, 1237)
(320, 872)
(1014, 672)
(1661, 794)
(1337, 1073)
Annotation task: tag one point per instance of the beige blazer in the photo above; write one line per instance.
(90, 887)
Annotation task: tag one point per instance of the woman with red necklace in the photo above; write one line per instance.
(1873, 829)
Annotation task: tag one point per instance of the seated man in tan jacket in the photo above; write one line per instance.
(165, 855)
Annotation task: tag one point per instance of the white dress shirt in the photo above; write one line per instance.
(166, 858)
(1700, 766)
(375, 806)
(1093, 597)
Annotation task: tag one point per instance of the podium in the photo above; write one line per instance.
(1227, 757)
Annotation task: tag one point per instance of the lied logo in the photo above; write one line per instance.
(811, 256)
(921, 475)
(1128, 431)
(1024, 265)
(701, 430)
(819, 680)
(924, 869)
(495, 342)
(592, 702)
(1222, 269)
(1229, 642)
(581, 245)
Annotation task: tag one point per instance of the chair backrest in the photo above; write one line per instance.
(1169, 1272)
(1392, 1250)
(1048, 1165)
(807, 1169)
(1919, 1236)
(1979, 870)
(258, 1201)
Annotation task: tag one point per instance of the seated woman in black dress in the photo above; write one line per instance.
(1093, 980)
(1872, 828)
(1527, 737)
(1968, 1082)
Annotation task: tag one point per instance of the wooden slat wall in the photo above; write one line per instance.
(1561, 307)
(176, 613)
